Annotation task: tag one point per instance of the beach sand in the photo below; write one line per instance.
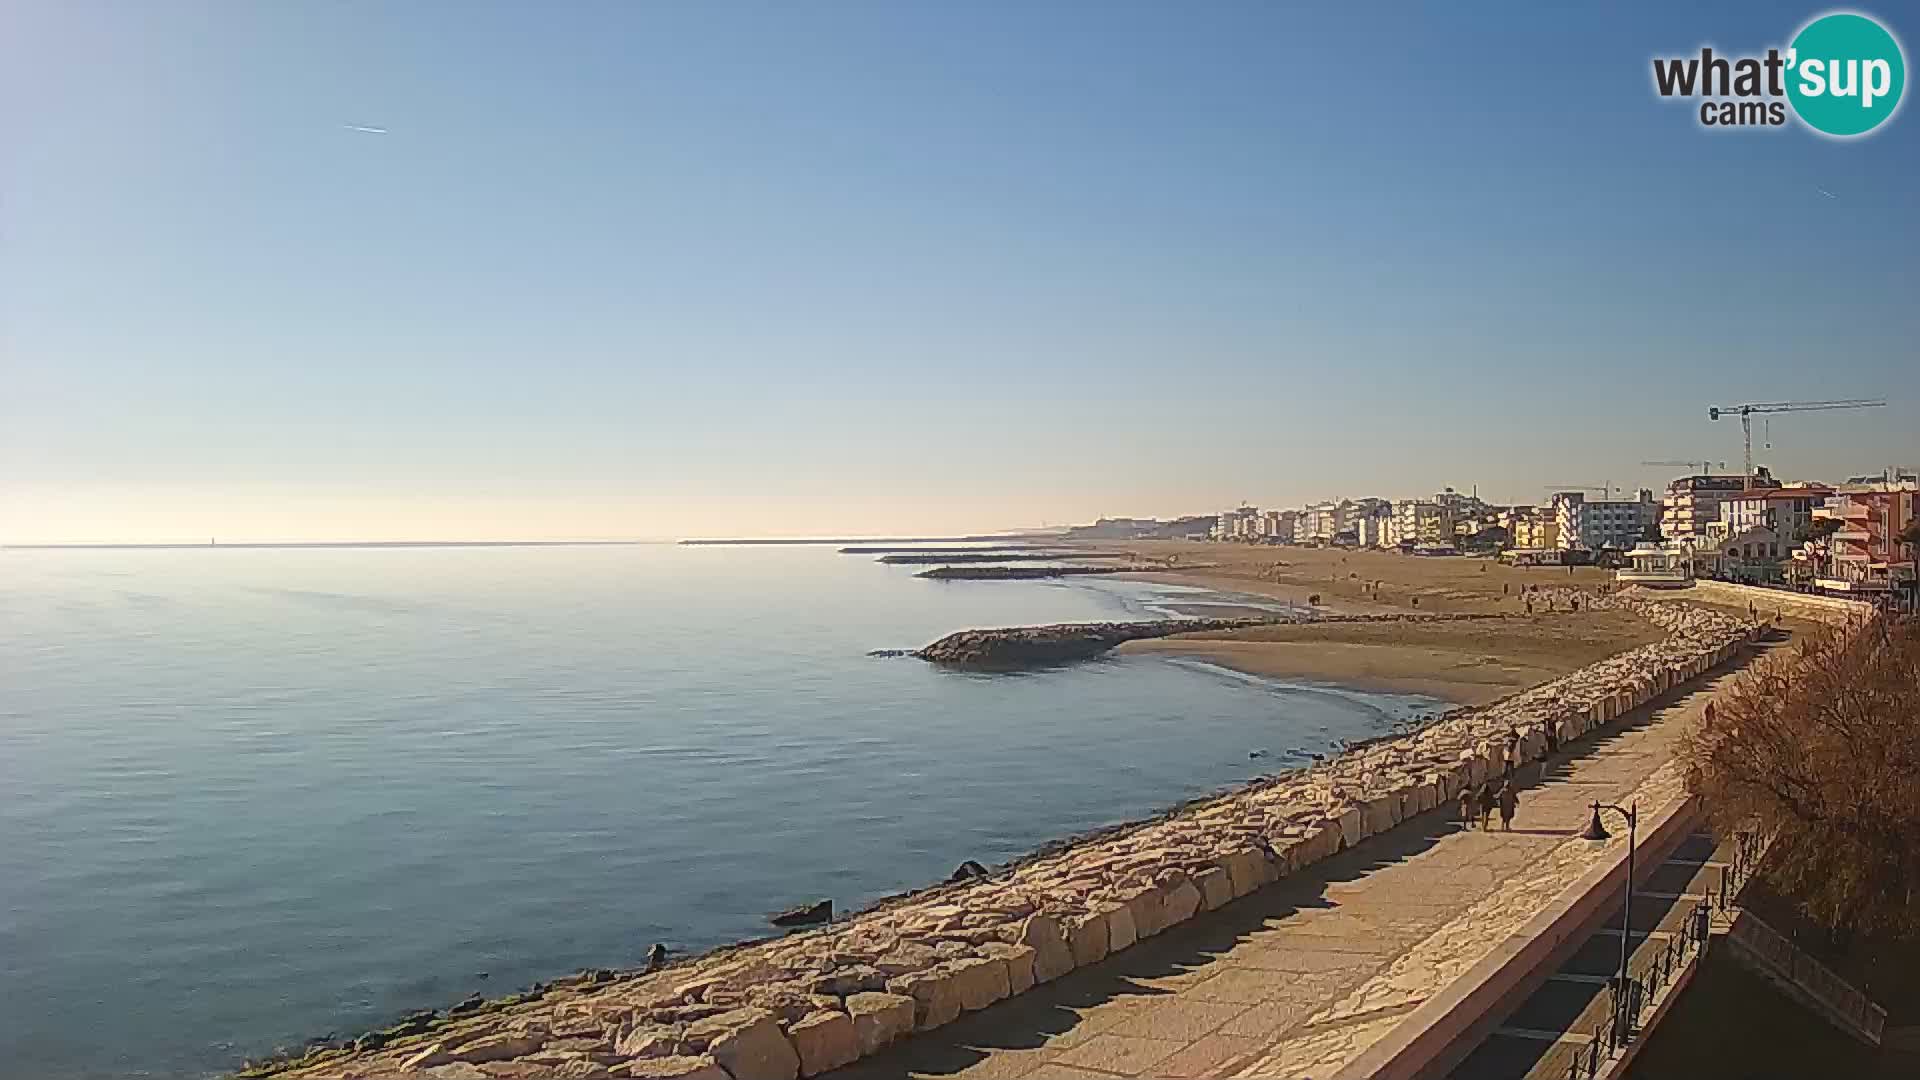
(1344, 579)
(1464, 662)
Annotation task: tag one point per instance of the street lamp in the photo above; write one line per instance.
(1598, 832)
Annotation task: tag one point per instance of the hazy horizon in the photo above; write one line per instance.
(317, 272)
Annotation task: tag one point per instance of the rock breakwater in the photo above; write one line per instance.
(1014, 573)
(1014, 647)
(808, 1003)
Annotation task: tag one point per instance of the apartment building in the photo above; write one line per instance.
(1603, 523)
(1786, 511)
(1421, 521)
(1693, 502)
(1865, 554)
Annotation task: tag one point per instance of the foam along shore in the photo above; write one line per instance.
(809, 1003)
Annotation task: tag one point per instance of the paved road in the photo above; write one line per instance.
(1299, 978)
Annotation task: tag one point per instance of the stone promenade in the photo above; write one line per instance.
(1300, 977)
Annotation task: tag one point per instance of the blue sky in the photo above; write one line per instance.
(671, 269)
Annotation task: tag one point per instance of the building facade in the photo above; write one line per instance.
(1786, 511)
(1693, 502)
(1865, 555)
(1594, 524)
(1421, 521)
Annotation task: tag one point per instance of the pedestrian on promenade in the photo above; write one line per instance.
(1509, 804)
(1469, 805)
(1708, 716)
(1489, 797)
(1512, 756)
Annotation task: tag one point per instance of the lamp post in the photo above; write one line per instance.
(1598, 832)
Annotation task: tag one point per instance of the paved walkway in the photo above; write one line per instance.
(1300, 977)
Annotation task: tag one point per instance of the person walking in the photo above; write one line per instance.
(1509, 805)
(1469, 805)
(1489, 796)
(1512, 754)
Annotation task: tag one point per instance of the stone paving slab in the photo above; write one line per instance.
(1300, 977)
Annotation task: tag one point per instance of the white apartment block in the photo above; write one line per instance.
(1421, 521)
(1603, 523)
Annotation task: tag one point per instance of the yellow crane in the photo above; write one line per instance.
(1746, 413)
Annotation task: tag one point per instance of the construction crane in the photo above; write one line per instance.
(1746, 414)
(1603, 489)
(1696, 466)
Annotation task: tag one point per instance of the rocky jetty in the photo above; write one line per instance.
(977, 549)
(923, 559)
(822, 998)
(1015, 647)
(1014, 573)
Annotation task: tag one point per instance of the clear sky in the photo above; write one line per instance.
(664, 269)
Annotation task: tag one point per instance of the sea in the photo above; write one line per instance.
(253, 796)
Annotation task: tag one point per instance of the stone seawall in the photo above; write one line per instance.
(808, 1003)
(1827, 609)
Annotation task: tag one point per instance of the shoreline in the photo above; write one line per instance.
(826, 997)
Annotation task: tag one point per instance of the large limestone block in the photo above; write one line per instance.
(1121, 931)
(979, 981)
(648, 1041)
(1352, 826)
(1053, 956)
(676, 1067)
(878, 1019)
(1248, 870)
(1377, 816)
(1216, 887)
(906, 957)
(1020, 964)
(936, 1001)
(824, 1040)
(1149, 906)
(1321, 841)
(1182, 900)
(748, 1043)
(1427, 796)
(499, 1046)
(1089, 937)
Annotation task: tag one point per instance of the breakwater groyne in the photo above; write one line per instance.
(808, 1003)
(1016, 573)
(1030, 555)
(1013, 647)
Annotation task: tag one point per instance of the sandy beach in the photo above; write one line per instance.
(1465, 662)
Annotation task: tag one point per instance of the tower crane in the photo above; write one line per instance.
(1747, 411)
(1603, 489)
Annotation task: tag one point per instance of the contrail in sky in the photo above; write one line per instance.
(368, 130)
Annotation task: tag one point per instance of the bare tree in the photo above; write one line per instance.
(1822, 750)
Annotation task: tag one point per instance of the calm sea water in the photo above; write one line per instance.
(251, 796)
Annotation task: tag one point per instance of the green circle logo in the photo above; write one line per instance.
(1845, 73)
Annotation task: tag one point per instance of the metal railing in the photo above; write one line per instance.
(1748, 848)
(1614, 1019)
(1838, 997)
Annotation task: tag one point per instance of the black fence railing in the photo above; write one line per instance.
(1748, 847)
(1613, 1019)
